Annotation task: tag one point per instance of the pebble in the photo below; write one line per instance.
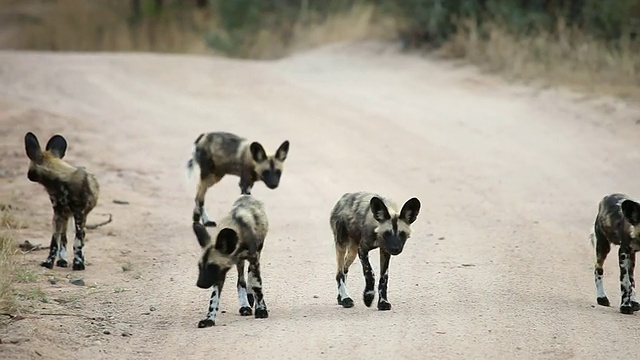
(78, 282)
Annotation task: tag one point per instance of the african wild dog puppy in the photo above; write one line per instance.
(361, 222)
(240, 236)
(73, 191)
(221, 153)
(617, 223)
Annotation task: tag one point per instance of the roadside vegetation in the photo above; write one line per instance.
(587, 44)
(8, 264)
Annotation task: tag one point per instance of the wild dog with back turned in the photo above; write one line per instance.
(617, 223)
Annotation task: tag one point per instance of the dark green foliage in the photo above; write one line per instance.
(435, 20)
(423, 21)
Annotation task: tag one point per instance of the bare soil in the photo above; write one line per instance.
(499, 265)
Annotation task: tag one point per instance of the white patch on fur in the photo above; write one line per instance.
(242, 297)
(214, 302)
(342, 289)
(252, 282)
(370, 292)
(59, 243)
(76, 244)
(600, 293)
(386, 273)
(626, 279)
(204, 216)
(62, 254)
(247, 216)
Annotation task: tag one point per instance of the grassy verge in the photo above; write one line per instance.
(7, 262)
(99, 25)
(525, 42)
(305, 29)
(231, 29)
(565, 56)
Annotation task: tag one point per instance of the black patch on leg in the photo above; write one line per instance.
(383, 303)
(261, 311)
(207, 168)
(206, 323)
(197, 215)
(368, 294)
(251, 299)
(78, 256)
(624, 258)
(63, 244)
(604, 301)
(244, 310)
(627, 310)
(53, 252)
(62, 263)
(78, 265)
(634, 304)
(346, 302)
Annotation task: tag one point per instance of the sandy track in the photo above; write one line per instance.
(499, 264)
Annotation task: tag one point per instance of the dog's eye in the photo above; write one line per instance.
(402, 235)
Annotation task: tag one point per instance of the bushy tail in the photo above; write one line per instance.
(592, 237)
(189, 170)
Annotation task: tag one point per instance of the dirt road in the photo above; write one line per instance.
(499, 265)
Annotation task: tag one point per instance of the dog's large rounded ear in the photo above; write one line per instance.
(283, 151)
(32, 147)
(379, 209)
(57, 146)
(226, 241)
(201, 234)
(631, 211)
(410, 210)
(257, 152)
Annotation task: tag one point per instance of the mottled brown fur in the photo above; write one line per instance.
(73, 192)
(239, 237)
(221, 153)
(617, 223)
(361, 222)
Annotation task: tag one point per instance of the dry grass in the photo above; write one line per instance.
(104, 25)
(80, 25)
(567, 58)
(361, 22)
(8, 220)
(7, 267)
